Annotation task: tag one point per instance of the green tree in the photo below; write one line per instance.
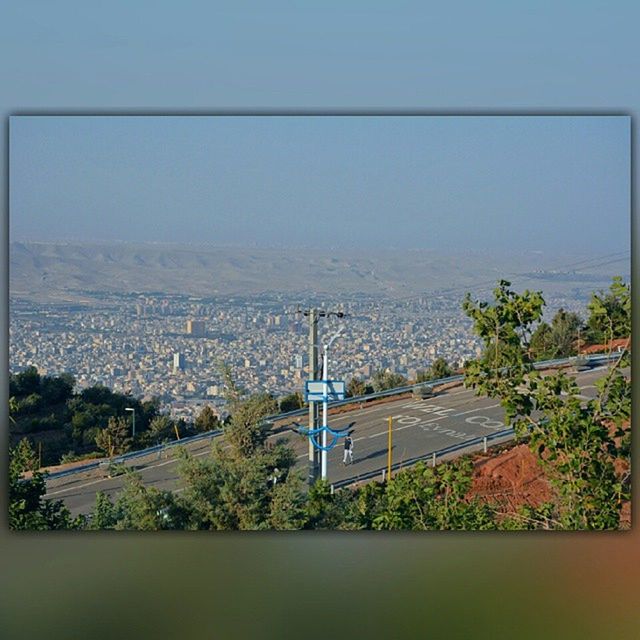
(425, 498)
(207, 420)
(324, 510)
(357, 387)
(384, 380)
(25, 455)
(438, 370)
(49, 403)
(291, 402)
(541, 346)
(97, 394)
(232, 492)
(558, 340)
(247, 431)
(610, 313)
(85, 417)
(24, 383)
(27, 508)
(140, 508)
(115, 439)
(286, 508)
(250, 484)
(572, 438)
(565, 327)
(103, 515)
(233, 393)
(57, 389)
(505, 326)
(30, 404)
(161, 429)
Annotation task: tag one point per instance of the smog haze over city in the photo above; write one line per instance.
(125, 230)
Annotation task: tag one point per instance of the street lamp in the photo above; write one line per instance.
(133, 418)
(325, 407)
(314, 314)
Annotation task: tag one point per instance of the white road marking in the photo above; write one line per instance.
(464, 413)
(347, 416)
(76, 486)
(87, 484)
(413, 424)
(417, 424)
(485, 421)
(457, 393)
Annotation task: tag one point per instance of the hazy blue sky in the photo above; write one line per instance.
(351, 181)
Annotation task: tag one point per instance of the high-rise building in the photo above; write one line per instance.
(178, 362)
(196, 328)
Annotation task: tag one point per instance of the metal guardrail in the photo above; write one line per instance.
(298, 412)
(370, 396)
(434, 383)
(504, 433)
(134, 454)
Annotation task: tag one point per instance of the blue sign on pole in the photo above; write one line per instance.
(314, 390)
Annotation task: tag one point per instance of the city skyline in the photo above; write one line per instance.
(132, 344)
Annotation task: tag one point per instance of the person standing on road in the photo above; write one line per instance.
(348, 450)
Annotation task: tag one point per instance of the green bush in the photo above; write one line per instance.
(47, 423)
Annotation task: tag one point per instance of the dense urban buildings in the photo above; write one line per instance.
(151, 345)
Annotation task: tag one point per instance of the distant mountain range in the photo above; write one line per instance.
(66, 270)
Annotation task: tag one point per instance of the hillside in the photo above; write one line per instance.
(64, 271)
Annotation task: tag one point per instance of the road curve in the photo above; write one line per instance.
(419, 428)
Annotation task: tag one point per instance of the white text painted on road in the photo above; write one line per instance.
(485, 421)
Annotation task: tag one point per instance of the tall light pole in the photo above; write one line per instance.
(314, 315)
(389, 446)
(325, 402)
(133, 419)
(313, 410)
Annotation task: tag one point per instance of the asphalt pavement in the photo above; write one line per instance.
(419, 428)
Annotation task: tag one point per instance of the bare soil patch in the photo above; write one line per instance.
(511, 479)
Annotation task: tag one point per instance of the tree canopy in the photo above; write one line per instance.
(610, 313)
(27, 507)
(438, 370)
(573, 438)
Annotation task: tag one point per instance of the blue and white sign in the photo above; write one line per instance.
(314, 390)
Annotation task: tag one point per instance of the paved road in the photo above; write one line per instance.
(419, 428)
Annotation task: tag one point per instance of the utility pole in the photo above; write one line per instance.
(133, 419)
(314, 454)
(389, 447)
(325, 402)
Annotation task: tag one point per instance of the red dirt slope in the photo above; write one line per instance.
(511, 479)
